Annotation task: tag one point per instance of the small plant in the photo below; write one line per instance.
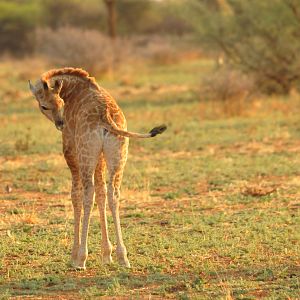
(15, 211)
(227, 87)
(170, 196)
(265, 275)
(5, 295)
(198, 284)
(22, 144)
(182, 296)
(90, 292)
(114, 288)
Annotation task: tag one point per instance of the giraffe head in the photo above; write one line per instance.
(50, 103)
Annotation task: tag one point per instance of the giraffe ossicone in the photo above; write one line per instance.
(95, 139)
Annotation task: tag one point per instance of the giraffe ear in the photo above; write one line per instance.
(45, 85)
(31, 87)
(57, 86)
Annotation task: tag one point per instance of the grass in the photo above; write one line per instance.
(210, 209)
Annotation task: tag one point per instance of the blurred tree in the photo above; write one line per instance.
(259, 37)
(75, 13)
(111, 17)
(168, 18)
(132, 15)
(151, 17)
(17, 21)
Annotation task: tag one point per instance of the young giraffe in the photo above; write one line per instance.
(94, 138)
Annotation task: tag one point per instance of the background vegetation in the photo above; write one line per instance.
(259, 38)
(210, 210)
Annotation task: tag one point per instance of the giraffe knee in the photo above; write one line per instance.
(100, 191)
(113, 190)
(112, 204)
(88, 185)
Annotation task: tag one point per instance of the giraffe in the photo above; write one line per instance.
(95, 139)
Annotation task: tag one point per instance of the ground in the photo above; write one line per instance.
(209, 209)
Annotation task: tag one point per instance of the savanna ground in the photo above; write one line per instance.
(210, 209)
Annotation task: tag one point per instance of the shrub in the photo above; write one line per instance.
(225, 84)
(75, 47)
(228, 87)
(97, 53)
(156, 49)
(257, 37)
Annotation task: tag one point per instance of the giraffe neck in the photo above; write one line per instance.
(72, 88)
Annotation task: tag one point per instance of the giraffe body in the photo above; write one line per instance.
(94, 140)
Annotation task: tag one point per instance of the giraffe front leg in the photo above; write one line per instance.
(76, 196)
(77, 206)
(88, 149)
(88, 201)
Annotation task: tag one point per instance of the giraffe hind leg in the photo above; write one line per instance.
(115, 153)
(101, 199)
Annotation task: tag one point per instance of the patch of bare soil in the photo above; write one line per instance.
(210, 201)
(266, 146)
(24, 207)
(11, 163)
(61, 296)
(258, 189)
(40, 199)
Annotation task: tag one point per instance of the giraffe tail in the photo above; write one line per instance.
(111, 126)
(152, 133)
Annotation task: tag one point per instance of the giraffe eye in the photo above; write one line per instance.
(44, 107)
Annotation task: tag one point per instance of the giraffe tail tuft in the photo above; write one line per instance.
(157, 130)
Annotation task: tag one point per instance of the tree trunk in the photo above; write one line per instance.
(111, 20)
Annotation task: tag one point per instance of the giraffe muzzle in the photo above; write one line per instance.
(59, 125)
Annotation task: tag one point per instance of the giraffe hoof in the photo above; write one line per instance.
(122, 257)
(107, 260)
(125, 263)
(79, 267)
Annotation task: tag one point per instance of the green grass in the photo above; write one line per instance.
(193, 223)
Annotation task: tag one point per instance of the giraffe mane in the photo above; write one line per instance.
(77, 72)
